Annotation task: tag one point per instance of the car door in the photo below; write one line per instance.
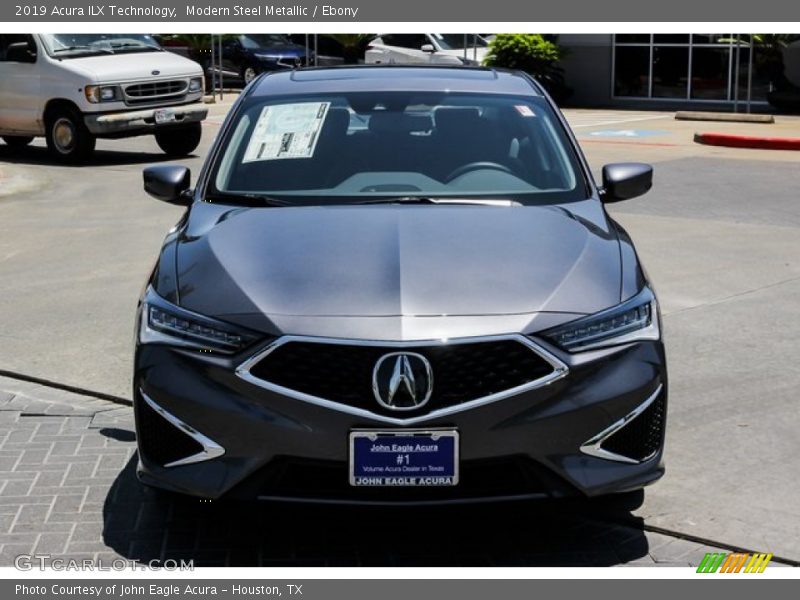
(20, 84)
(407, 48)
(232, 56)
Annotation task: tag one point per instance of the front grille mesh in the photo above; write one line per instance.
(642, 437)
(140, 93)
(159, 441)
(343, 373)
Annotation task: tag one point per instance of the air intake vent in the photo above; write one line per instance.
(161, 442)
(642, 437)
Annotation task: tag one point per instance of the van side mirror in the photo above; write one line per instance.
(168, 183)
(20, 52)
(622, 181)
(428, 48)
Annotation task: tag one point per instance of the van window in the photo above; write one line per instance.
(6, 39)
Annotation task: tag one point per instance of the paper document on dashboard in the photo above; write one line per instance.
(286, 131)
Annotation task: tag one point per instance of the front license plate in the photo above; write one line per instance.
(164, 115)
(404, 458)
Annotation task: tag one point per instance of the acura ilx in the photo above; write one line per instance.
(398, 285)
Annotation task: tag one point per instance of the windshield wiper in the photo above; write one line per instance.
(131, 45)
(251, 199)
(400, 200)
(85, 48)
(430, 200)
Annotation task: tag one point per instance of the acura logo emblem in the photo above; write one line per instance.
(402, 381)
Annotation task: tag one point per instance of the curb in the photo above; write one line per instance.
(687, 115)
(746, 141)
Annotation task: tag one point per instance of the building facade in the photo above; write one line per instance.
(669, 70)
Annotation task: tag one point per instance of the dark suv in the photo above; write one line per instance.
(246, 55)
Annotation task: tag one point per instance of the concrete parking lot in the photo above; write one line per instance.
(719, 235)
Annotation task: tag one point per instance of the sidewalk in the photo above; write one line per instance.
(68, 489)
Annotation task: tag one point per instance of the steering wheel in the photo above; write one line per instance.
(476, 166)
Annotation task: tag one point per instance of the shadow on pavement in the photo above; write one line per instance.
(38, 155)
(145, 524)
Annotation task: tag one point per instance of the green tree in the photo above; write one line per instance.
(353, 45)
(533, 53)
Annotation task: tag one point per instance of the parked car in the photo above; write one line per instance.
(246, 55)
(434, 307)
(75, 88)
(327, 51)
(427, 48)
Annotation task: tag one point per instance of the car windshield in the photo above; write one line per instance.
(331, 149)
(458, 41)
(70, 45)
(263, 40)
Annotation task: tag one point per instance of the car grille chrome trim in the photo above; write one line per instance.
(559, 371)
(155, 91)
(210, 450)
(594, 446)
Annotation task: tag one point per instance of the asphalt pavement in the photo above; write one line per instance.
(719, 235)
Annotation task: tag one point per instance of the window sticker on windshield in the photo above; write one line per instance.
(286, 131)
(524, 110)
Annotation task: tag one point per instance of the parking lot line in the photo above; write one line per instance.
(584, 121)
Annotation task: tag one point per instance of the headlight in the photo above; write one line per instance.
(163, 322)
(268, 57)
(195, 85)
(633, 320)
(102, 93)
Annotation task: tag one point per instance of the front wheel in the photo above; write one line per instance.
(179, 141)
(17, 141)
(248, 74)
(68, 139)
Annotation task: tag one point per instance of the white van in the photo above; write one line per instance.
(75, 88)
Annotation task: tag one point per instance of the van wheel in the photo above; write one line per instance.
(68, 139)
(17, 141)
(179, 141)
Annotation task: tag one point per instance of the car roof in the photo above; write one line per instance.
(395, 78)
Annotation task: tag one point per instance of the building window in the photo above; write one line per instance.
(700, 67)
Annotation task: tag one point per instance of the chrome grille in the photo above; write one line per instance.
(465, 372)
(155, 91)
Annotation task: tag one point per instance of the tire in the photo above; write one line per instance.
(179, 141)
(68, 139)
(248, 74)
(17, 141)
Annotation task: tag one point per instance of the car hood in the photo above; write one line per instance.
(395, 261)
(132, 66)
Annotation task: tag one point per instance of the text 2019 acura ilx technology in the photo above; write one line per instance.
(398, 284)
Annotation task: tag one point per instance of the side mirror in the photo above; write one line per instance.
(428, 48)
(622, 181)
(168, 183)
(20, 52)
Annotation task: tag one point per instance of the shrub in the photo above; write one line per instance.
(532, 53)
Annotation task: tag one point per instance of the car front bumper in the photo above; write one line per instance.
(268, 445)
(137, 122)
